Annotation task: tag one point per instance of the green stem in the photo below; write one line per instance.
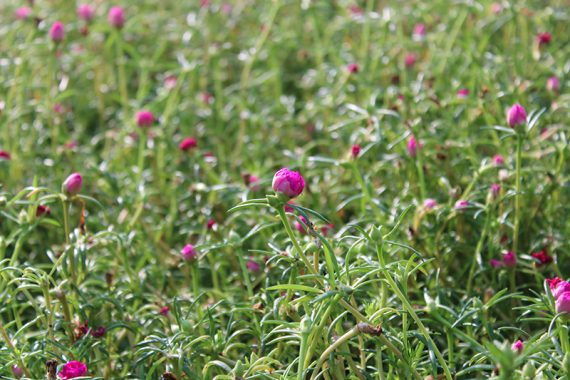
(518, 193)
(298, 248)
(477, 256)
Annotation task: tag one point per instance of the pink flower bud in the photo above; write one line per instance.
(430, 204)
(189, 252)
(42, 210)
(462, 93)
(327, 229)
(563, 303)
(86, 12)
(553, 282)
(17, 371)
(553, 84)
(518, 346)
(410, 60)
(498, 160)
(144, 118)
(516, 115)
(461, 204)
(253, 183)
(301, 226)
(355, 151)
(72, 369)
(509, 259)
(562, 287)
(23, 13)
(99, 332)
(544, 38)
(495, 190)
(73, 184)
(495, 263)
(164, 310)
(170, 82)
(419, 32)
(210, 224)
(287, 207)
(353, 68)
(413, 146)
(57, 32)
(288, 183)
(116, 17)
(542, 257)
(187, 144)
(5, 155)
(252, 266)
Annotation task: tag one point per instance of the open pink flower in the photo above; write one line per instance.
(542, 257)
(543, 38)
(72, 369)
(561, 287)
(288, 183)
(410, 60)
(553, 282)
(462, 93)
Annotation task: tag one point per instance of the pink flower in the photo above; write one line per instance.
(253, 183)
(419, 31)
(327, 229)
(461, 204)
(410, 60)
(430, 204)
(553, 282)
(164, 310)
(495, 190)
(509, 259)
(189, 252)
(301, 226)
(553, 84)
(495, 263)
(57, 32)
(355, 151)
(542, 257)
(287, 207)
(116, 17)
(144, 118)
(210, 224)
(544, 38)
(72, 370)
(187, 144)
(498, 160)
(5, 155)
(73, 184)
(353, 68)
(42, 210)
(170, 82)
(86, 12)
(413, 146)
(561, 288)
(516, 115)
(252, 266)
(99, 332)
(288, 183)
(462, 93)
(518, 346)
(563, 303)
(23, 13)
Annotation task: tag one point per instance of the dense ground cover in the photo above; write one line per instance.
(140, 236)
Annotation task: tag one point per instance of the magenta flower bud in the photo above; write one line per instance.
(495, 190)
(23, 13)
(355, 151)
(86, 12)
(287, 207)
(410, 60)
(430, 204)
(253, 183)
(116, 17)
(71, 370)
(495, 263)
(42, 210)
(73, 184)
(543, 38)
(189, 252)
(252, 266)
(164, 310)
(462, 93)
(553, 283)
(288, 183)
(210, 224)
(187, 144)
(413, 146)
(301, 226)
(563, 303)
(57, 32)
(518, 346)
(5, 155)
(498, 160)
(562, 287)
(461, 204)
(510, 259)
(327, 229)
(17, 371)
(99, 332)
(516, 115)
(553, 84)
(144, 118)
(419, 32)
(353, 68)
